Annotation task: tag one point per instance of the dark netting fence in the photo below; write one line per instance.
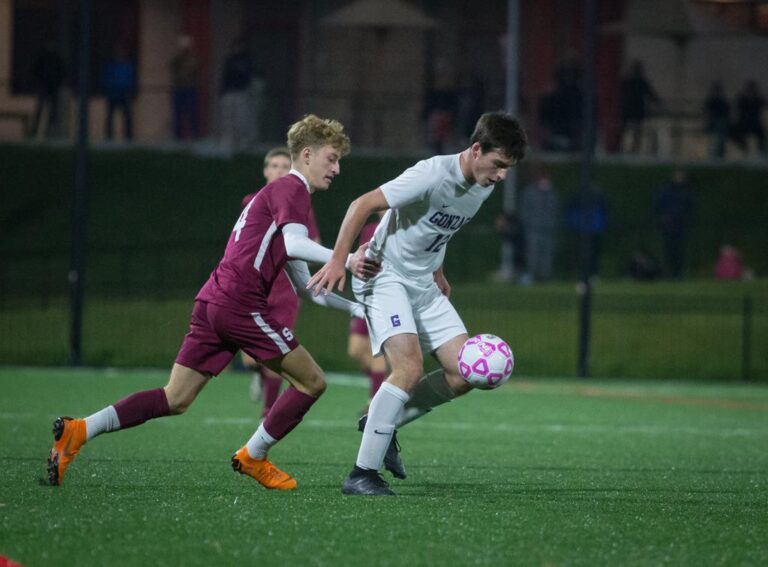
(158, 224)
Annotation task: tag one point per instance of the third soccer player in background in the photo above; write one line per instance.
(406, 304)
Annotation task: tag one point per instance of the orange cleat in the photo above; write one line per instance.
(69, 435)
(267, 474)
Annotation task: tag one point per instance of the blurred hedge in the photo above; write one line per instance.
(158, 220)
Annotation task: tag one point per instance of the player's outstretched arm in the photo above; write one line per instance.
(333, 274)
(299, 246)
(298, 272)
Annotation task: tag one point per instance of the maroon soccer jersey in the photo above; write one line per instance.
(366, 233)
(312, 228)
(255, 253)
(283, 300)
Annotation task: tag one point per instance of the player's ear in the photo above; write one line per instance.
(306, 154)
(476, 149)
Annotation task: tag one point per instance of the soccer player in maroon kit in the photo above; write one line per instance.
(231, 313)
(283, 299)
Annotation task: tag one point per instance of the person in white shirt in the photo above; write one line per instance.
(407, 304)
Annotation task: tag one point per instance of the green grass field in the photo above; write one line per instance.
(540, 472)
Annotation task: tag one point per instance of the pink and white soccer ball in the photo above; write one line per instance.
(486, 361)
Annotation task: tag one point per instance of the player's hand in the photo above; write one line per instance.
(442, 283)
(361, 266)
(333, 274)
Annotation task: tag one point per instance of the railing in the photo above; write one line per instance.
(636, 332)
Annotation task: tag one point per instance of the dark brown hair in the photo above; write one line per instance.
(499, 131)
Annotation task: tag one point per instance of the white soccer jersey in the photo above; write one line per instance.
(429, 203)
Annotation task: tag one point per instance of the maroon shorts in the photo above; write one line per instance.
(358, 326)
(217, 333)
(283, 302)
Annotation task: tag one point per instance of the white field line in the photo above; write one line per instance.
(427, 423)
(347, 380)
(650, 430)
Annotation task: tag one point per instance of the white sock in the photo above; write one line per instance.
(100, 422)
(385, 407)
(259, 444)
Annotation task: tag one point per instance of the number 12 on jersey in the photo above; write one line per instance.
(439, 241)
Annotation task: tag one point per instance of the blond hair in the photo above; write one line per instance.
(315, 133)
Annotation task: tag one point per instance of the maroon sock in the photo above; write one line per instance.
(270, 387)
(377, 379)
(287, 413)
(141, 406)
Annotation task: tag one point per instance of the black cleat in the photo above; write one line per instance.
(365, 483)
(392, 461)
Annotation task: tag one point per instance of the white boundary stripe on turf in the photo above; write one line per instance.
(357, 381)
(651, 430)
(571, 429)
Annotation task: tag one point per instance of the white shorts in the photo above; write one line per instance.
(395, 305)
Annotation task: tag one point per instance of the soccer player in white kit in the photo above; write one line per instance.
(407, 304)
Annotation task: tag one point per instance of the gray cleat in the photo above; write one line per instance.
(366, 483)
(392, 461)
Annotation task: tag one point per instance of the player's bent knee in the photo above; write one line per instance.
(407, 376)
(316, 386)
(320, 389)
(177, 406)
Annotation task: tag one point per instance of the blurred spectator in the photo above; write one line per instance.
(540, 213)
(238, 119)
(672, 205)
(749, 117)
(118, 81)
(471, 104)
(48, 72)
(638, 101)
(643, 267)
(560, 110)
(587, 216)
(440, 111)
(512, 248)
(184, 70)
(717, 114)
(729, 265)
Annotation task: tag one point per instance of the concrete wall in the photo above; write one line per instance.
(160, 25)
(373, 83)
(731, 61)
(10, 128)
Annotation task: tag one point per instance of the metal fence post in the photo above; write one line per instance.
(80, 205)
(587, 174)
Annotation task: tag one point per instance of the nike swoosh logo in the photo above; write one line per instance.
(445, 206)
(377, 432)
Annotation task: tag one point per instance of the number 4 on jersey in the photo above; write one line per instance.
(241, 220)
